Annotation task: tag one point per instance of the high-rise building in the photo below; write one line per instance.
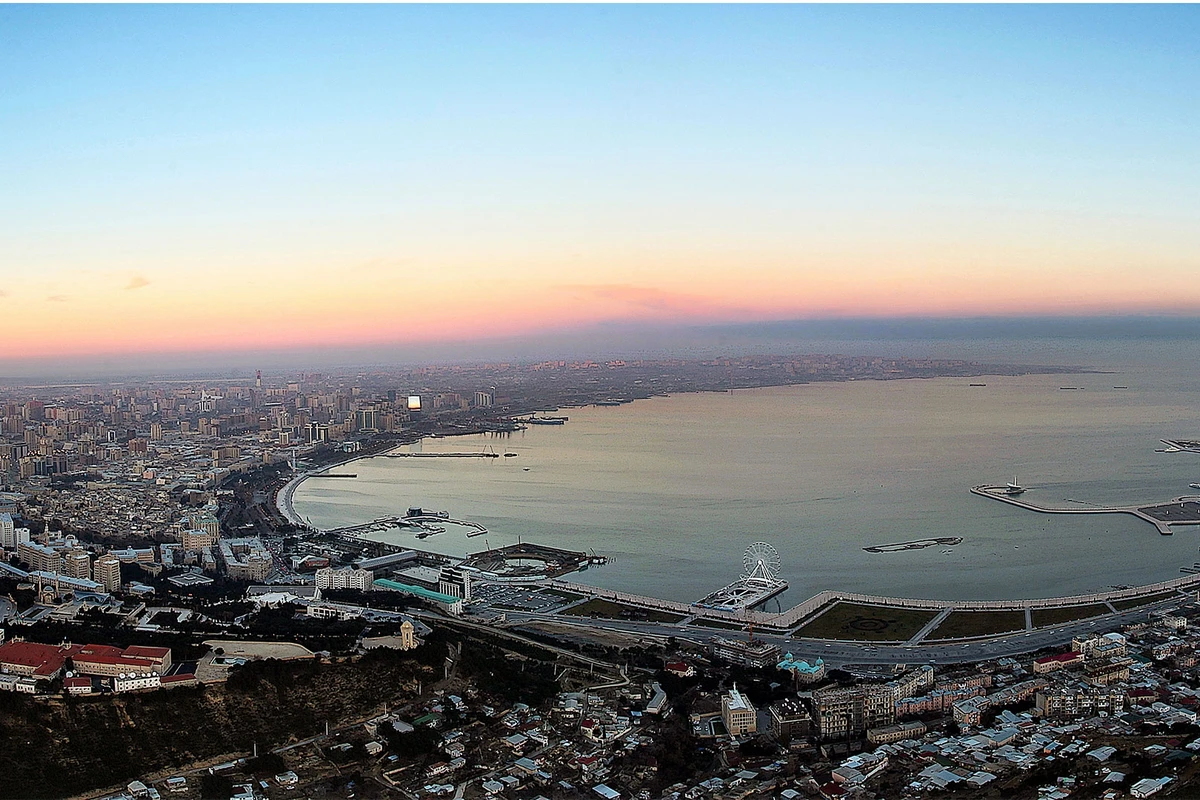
(77, 563)
(7, 531)
(842, 713)
(738, 714)
(39, 557)
(209, 524)
(455, 582)
(107, 571)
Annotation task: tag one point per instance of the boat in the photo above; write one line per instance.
(1194, 485)
(546, 421)
(510, 455)
(979, 384)
(1012, 487)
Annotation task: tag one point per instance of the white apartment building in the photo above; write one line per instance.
(131, 681)
(330, 578)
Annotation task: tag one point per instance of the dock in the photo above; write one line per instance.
(440, 455)
(1163, 516)
(916, 544)
(423, 522)
(744, 593)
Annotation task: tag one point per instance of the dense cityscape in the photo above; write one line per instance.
(627, 401)
(149, 550)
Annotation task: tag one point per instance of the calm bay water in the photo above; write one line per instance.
(674, 489)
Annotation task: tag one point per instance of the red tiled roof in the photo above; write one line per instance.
(136, 663)
(142, 651)
(46, 659)
(183, 676)
(1059, 657)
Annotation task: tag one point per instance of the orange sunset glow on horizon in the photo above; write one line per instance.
(350, 176)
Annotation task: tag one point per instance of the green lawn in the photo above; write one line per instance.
(863, 623)
(1056, 616)
(596, 607)
(1134, 602)
(965, 624)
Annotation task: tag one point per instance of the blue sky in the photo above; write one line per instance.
(545, 166)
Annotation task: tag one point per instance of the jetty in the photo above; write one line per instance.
(1163, 516)
(440, 455)
(916, 544)
(428, 523)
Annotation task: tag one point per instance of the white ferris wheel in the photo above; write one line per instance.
(761, 561)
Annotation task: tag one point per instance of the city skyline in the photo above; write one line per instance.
(231, 179)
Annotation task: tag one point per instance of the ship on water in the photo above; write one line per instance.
(1013, 487)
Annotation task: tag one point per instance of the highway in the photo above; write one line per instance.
(840, 653)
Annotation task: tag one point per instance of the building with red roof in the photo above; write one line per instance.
(1056, 662)
(43, 661)
(46, 661)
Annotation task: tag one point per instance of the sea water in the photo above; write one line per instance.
(674, 489)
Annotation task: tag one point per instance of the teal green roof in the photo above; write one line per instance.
(418, 591)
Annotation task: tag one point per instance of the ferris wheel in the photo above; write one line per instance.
(761, 561)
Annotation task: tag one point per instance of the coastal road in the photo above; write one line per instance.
(838, 653)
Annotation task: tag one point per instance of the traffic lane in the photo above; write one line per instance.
(835, 652)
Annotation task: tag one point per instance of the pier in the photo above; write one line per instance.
(758, 584)
(423, 522)
(440, 455)
(1163, 516)
(916, 544)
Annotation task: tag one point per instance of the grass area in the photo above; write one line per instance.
(714, 623)
(965, 624)
(596, 607)
(1134, 602)
(1056, 616)
(857, 622)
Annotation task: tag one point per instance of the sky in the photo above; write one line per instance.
(183, 179)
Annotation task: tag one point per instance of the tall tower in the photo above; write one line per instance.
(107, 571)
(258, 379)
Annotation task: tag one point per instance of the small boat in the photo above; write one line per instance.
(510, 455)
(1012, 487)
(1194, 485)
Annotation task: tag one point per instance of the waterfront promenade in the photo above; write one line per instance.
(794, 616)
(791, 619)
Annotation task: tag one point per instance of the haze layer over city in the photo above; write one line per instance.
(621, 401)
